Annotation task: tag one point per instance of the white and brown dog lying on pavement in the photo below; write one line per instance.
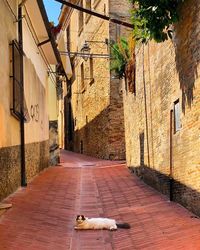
(83, 222)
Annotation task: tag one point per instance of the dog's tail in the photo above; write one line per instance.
(123, 225)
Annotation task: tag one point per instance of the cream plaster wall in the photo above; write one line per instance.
(31, 51)
(35, 81)
(37, 129)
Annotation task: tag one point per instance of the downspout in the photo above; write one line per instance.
(171, 158)
(22, 3)
(145, 108)
(22, 133)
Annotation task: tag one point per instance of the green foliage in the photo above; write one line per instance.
(120, 56)
(152, 19)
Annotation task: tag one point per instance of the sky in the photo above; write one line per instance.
(53, 10)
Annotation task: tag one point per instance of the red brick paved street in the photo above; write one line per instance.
(43, 214)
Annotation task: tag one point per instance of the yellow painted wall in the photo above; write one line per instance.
(9, 126)
(52, 97)
(35, 78)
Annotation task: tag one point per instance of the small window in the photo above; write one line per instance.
(73, 78)
(177, 116)
(68, 37)
(17, 87)
(88, 6)
(82, 76)
(141, 137)
(81, 147)
(104, 9)
(95, 4)
(91, 69)
(80, 13)
(18, 102)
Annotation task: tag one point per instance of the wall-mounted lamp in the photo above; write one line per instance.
(85, 50)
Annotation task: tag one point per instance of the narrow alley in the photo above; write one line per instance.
(43, 214)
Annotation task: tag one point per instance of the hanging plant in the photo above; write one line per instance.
(120, 56)
(152, 19)
(123, 61)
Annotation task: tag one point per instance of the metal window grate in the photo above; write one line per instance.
(16, 80)
(17, 85)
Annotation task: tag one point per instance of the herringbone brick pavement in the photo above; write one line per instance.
(43, 214)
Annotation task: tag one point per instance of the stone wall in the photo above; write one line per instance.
(54, 150)
(118, 9)
(165, 73)
(97, 107)
(90, 99)
(10, 169)
(37, 159)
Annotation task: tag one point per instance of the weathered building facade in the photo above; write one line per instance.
(95, 100)
(162, 119)
(24, 113)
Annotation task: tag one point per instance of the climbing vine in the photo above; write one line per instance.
(152, 19)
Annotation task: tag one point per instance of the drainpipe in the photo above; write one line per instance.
(22, 135)
(22, 3)
(171, 158)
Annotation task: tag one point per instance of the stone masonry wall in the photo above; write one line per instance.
(10, 169)
(98, 106)
(54, 151)
(37, 159)
(118, 9)
(90, 98)
(165, 73)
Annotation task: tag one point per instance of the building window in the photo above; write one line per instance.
(141, 137)
(82, 76)
(68, 37)
(91, 71)
(104, 9)
(80, 13)
(96, 2)
(73, 78)
(88, 4)
(177, 116)
(17, 87)
(89, 7)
